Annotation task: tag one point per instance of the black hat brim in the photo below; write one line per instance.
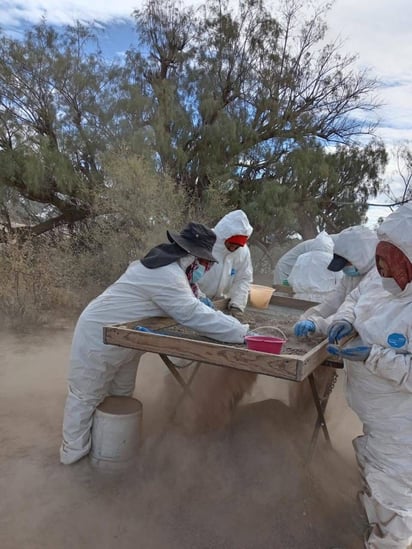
(337, 263)
(191, 247)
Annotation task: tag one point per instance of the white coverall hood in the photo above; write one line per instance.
(233, 223)
(310, 277)
(397, 229)
(323, 242)
(232, 276)
(357, 244)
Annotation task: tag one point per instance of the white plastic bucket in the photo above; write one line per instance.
(116, 432)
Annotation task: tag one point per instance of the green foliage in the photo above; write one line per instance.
(234, 95)
(129, 218)
(311, 189)
(211, 95)
(213, 110)
(55, 121)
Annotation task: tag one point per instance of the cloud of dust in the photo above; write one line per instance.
(253, 456)
(241, 483)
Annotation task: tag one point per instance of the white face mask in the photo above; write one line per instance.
(391, 286)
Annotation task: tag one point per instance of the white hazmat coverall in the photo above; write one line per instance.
(323, 242)
(232, 275)
(311, 279)
(379, 390)
(356, 244)
(97, 370)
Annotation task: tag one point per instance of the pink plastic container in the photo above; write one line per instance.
(265, 344)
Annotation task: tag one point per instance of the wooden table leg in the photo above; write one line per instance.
(320, 404)
(184, 384)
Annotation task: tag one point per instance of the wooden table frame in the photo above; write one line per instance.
(290, 367)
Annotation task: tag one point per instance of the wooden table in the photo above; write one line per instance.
(172, 340)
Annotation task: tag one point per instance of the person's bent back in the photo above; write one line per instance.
(323, 242)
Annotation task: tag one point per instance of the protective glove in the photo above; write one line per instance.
(207, 301)
(338, 330)
(304, 327)
(356, 354)
(236, 312)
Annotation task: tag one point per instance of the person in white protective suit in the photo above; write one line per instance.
(232, 275)
(378, 365)
(323, 242)
(311, 279)
(164, 282)
(354, 256)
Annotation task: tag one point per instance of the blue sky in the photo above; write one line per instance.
(378, 31)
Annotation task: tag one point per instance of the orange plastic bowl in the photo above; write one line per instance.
(259, 296)
(265, 344)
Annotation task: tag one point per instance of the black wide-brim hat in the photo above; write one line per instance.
(337, 263)
(196, 239)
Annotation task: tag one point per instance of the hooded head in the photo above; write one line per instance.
(355, 245)
(322, 243)
(394, 251)
(397, 229)
(233, 223)
(234, 228)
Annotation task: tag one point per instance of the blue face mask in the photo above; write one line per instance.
(351, 270)
(198, 273)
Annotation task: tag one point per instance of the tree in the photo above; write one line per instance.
(222, 103)
(56, 121)
(312, 189)
(400, 191)
(232, 95)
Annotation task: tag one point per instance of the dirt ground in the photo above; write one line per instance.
(246, 487)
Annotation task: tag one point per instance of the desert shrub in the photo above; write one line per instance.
(65, 269)
(30, 285)
(130, 217)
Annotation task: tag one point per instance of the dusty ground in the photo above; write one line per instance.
(247, 487)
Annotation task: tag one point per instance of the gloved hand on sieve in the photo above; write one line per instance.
(356, 354)
(338, 330)
(235, 312)
(207, 301)
(304, 328)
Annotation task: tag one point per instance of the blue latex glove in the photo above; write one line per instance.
(357, 354)
(143, 329)
(304, 327)
(207, 301)
(338, 330)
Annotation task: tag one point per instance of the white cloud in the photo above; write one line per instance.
(379, 31)
(59, 12)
